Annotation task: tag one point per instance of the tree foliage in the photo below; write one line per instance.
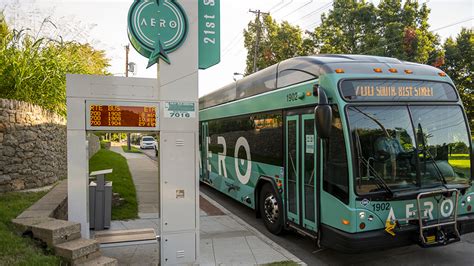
(278, 41)
(459, 65)
(389, 29)
(393, 28)
(34, 70)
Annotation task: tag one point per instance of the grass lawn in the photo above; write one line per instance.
(133, 149)
(14, 249)
(460, 163)
(122, 182)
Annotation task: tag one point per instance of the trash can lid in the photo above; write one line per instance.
(101, 172)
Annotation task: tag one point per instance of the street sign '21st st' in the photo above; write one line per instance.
(156, 28)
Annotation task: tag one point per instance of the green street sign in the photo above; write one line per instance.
(209, 33)
(156, 28)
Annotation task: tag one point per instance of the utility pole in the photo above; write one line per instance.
(127, 50)
(257, 39)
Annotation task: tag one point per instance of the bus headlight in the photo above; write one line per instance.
(362, 215)
(468, 199)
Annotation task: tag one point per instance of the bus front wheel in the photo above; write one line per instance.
(271, 209)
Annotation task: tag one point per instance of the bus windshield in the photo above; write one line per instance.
(409, 147)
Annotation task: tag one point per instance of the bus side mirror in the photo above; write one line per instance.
(323, 115)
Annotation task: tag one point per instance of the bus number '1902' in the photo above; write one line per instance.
(384, 206)
(291, 97)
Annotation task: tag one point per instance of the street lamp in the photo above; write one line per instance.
(132, 67)
(237, 74)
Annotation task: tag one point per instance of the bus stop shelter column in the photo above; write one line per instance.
(78, 165)
(178, 83)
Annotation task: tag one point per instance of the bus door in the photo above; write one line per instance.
(300, 159)
(204, 151)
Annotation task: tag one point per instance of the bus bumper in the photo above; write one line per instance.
(379, 239)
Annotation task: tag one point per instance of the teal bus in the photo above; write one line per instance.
(358, 152)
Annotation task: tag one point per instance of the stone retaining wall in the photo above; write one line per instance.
(32, 146)
(94, 144)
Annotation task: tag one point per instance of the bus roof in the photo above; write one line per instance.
(300, 69)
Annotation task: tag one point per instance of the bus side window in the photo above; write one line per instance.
(290, 77)
(336, 179)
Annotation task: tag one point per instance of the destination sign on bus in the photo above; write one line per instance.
(122, 116)
(397, 90)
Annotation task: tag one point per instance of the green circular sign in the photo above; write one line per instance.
(156, 28)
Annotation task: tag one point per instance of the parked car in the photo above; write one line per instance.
(147, 142)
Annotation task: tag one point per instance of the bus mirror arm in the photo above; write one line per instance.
(323, 115)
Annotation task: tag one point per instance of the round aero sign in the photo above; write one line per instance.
(156, 28)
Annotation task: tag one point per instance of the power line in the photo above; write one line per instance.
(456, 23)
(282, 1)
(231, 43)
(292, 12)
(432, 31)
(285, 5)
(317, 10)
(314, 24)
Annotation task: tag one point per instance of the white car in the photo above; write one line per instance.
(147, 142)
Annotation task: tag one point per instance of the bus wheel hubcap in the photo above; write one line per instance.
(271, 208)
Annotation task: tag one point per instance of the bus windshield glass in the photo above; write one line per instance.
(396, 90)
(409, 147)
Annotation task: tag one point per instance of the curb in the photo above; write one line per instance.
(257, 233)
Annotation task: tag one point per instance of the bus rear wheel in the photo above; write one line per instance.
(271, 209)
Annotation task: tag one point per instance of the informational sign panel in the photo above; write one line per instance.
(209, 33)
(180, 110)
(103, 115)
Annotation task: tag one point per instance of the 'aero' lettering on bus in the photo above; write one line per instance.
(221, 156)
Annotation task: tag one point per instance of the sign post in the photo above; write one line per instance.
(167, 31)
(158, 29)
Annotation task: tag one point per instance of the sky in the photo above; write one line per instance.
(103, 23)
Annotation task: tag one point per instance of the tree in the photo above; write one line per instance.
(278, 41)
(459, 65)
(34, 70)
(390, 29)
(350, 27)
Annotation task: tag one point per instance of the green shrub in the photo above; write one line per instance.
(34, 69)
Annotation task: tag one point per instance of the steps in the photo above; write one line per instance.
(76, 249)
(65, 238)
(62, 236)
(56, 231)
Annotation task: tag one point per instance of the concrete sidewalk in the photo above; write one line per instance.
(145, 177)
(225, 238)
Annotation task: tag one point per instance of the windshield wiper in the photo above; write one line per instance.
(425, 151)
(378, 179)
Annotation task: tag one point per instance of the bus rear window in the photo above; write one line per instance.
(363, 90)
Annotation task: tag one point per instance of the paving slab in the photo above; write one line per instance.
(147, 254)
(233, 250)
(144, 173)
(224, 238)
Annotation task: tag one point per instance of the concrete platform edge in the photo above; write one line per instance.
(261, 236)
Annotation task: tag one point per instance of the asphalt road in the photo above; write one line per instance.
(460, 253)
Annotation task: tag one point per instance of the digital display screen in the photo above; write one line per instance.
(397, 90)
(122, 116)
